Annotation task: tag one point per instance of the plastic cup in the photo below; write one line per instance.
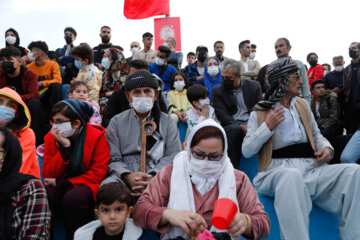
(224, 212)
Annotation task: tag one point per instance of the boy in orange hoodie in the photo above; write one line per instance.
(16, 116)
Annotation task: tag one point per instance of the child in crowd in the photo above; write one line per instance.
(76, 156)
(178, 102)
(88, 72)
(201, 110)
(113, 207)
(80, 91)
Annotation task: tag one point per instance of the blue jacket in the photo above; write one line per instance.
(192, 73)
(64, 60)
(165, 75)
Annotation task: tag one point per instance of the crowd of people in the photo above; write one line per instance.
(106, 129)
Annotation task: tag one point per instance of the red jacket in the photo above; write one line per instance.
(29, 84)
(95, 159)
(315, 73)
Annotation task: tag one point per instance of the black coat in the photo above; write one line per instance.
(224, 101)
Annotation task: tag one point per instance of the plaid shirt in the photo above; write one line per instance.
(31, 213)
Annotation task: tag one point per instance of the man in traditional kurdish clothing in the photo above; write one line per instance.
(293, 158)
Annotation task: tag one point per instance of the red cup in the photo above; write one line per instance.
(224, 212)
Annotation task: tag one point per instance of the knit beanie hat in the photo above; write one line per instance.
(141, 78)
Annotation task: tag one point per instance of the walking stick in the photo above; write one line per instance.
(144, 134)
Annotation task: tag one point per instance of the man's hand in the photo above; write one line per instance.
(323, 155)
(244, 128)
(137, 182)
(190, 222)
(275, 117)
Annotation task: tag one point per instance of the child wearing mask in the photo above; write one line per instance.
(178, 102)
(201, 110)
(80, 91)
(88, 72)
(113, 208)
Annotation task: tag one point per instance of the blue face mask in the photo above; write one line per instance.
(6, 115)
(105, 62)
(78, 64)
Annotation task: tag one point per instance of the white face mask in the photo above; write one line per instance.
(252, 55)
(31, 56)
(213, 71)
(159, 61)
(10, 40)
(204, 102)
(65, 129)
(179, 85)
(205, 169)
(339, 68)
(142, 104)
(134, 50)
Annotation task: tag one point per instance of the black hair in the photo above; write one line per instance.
(218, 42)
(70, 29)
(53, 55)
(147, 34)
(83, 51)
(65, 110)
(17, 43)
(253, 46)
(77, 83)
(40, 45)
(242, 44)
(165, 50)
(309, 55)
(10, 52)
(326, 64)
(284, 39)
(139, 64)
(172, 80)
(191, 54)
(206, 133)
(195, 92)
(111, 192)
(314, 83)
(105, 27)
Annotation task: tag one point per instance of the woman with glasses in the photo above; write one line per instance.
(24, 208)
(76, 156)
(180, 199)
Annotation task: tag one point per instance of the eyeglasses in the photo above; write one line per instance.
(211, 156)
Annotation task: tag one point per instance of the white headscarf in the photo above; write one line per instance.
(181, 192)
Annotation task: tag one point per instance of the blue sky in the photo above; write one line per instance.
(320, 26)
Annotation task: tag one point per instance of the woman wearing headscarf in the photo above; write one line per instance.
(185, 192)
(12, 39)
(76, 156)
(293, 157)
(212, 76)
(24, 209)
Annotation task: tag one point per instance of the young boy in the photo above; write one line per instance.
(113, 209)
(201, 110)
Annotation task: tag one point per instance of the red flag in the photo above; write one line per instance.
(139, 9)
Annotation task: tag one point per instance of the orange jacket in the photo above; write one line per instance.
(48, 74)
(24, 133)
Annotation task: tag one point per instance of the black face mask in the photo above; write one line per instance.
(105, 39)
(228, 84)
(8, 67)
(202, 56)
(313, 62)
(353, 53)
(68, 39)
